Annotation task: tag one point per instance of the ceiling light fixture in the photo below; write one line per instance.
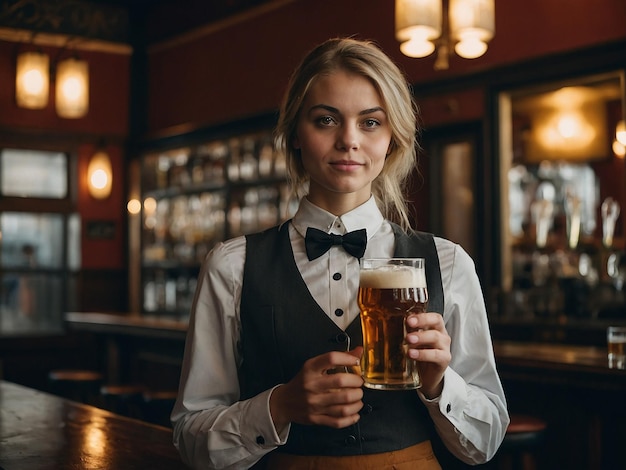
(72, 88)
(32, 80)
(423, 26)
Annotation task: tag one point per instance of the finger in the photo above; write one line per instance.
(332, 360)
(435, 356)
(428, 320)
(343, 379)
(428, 339)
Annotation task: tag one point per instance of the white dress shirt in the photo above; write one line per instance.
(213, 429)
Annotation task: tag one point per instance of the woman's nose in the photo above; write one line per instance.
(347, 137)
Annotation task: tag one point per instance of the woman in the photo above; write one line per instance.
(272, 323)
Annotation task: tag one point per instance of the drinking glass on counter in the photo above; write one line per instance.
(390, 289)
(616, 341)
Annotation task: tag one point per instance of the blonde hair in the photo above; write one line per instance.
(368, 60)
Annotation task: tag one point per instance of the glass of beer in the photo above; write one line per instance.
(390, 289)
(616, 341)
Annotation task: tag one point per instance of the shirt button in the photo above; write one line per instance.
(336, 276)
(448, 408)
(260, 440)
(338, 312)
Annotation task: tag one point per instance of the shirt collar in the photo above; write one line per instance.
(366, 216)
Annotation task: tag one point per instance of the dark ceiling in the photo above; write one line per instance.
(135, 22)
(161, 19)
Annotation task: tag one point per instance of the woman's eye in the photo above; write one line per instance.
(326, 120)
(371, 123)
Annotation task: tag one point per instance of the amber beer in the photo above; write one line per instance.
(616, 342)
(390, 290)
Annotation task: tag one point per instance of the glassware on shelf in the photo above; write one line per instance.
(197, 195)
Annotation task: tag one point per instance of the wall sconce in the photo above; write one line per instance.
(32, 80)
(425, 25)
(619, 144)
(100, 175)
(72, 88)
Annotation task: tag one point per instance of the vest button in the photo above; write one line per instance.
(350, 440)
(337, 276)
(367, 409)
(341, 337)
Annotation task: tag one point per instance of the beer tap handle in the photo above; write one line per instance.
(542, 211)
(610, 212)
(572, 213)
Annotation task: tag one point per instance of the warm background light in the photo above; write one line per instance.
(569, 124)
(72, 88)
(133, 206)
(31, 80)
(620, 132)
(100, 175)
(619, 149)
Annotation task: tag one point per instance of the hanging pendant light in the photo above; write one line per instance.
(472, 24)
(418, 24)
(423, 26)
(32, 80)
(72, 88)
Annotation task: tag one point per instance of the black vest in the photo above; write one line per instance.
(282, 326)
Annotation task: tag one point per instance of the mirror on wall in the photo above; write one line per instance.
(563, 179)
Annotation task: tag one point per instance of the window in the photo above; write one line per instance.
(39, 241)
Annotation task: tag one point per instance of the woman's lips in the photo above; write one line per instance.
(346, 165)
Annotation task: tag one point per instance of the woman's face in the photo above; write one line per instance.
(343, 135)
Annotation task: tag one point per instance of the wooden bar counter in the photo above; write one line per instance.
(568, 385)
(39, 431)
(572, 388)
(579, 367)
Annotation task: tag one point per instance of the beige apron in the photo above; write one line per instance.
(417, 457)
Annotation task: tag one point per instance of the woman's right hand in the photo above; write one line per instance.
(320, 395)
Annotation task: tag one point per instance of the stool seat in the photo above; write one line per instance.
(160, 395)
(124, 390)
(76, 384)
(524, 435)
(523, 424)
(72, 375)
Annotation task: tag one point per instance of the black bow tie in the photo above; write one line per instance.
(318, 242)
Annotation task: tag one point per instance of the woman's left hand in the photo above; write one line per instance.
(429, 344)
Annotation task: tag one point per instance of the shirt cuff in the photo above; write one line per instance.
(452, 401)
(257, 425)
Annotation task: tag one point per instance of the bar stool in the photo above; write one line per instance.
(158, 406)
(75, 384)
(523, 438)
(125, 399)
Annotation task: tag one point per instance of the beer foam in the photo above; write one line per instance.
(392, 277)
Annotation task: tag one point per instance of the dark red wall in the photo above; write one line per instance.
(107, 121)
(239, 69)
